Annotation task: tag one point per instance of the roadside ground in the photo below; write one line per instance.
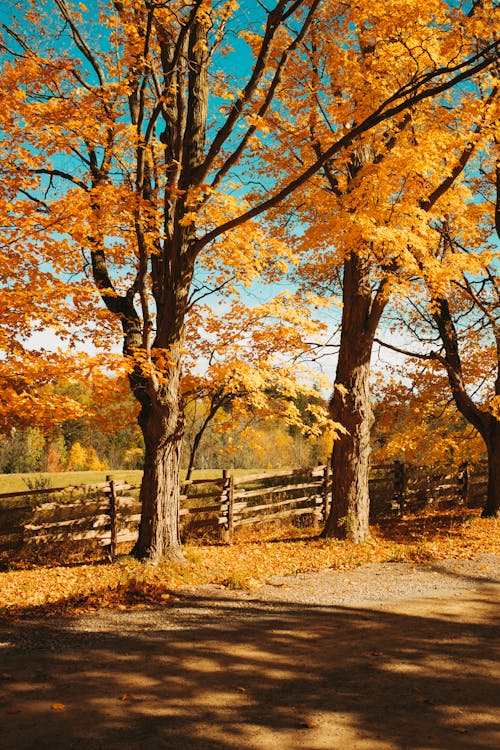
(410, 666)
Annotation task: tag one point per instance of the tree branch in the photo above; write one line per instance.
(273, 24)
(271, 91)
(63, 175)
(413, 355)
(458, 73)
(79, 40)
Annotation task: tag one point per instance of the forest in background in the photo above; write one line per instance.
(414, 425)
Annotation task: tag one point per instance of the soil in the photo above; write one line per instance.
(388, 656)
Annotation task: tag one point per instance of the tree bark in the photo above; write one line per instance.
(492, 505)
(160, 488)
(485, 422)
(350, 404)
(348, 518)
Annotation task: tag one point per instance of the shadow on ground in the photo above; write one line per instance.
(212, 674)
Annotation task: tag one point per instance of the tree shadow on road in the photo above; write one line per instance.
(219, 674)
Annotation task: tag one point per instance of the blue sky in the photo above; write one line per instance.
(235, 63)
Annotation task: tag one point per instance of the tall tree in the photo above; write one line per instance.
(484, 294)
(463, 315)
(121, 135)
(111, 129)
(378, 200)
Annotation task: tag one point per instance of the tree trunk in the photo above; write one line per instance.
(160, 489)
(492, 506)
(194, 449)
(350, 507)
(161, 420)
(193, 452)
(482, 419)
(350, 404)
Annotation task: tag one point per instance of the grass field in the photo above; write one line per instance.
(18, 482)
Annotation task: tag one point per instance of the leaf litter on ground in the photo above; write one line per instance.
(244, 565)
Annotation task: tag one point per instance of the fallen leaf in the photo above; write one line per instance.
(308, 724)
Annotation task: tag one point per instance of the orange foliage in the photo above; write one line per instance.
(245, 565)
(420, 425)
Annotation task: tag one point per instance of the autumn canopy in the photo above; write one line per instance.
(155, 153)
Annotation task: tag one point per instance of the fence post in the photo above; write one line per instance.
(228, 498)
(113, 502)
(465, 476)
(400, 479)
(327, 475)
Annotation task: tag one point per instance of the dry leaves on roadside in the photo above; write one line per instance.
(244, 565)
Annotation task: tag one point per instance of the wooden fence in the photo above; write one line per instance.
(409, 488)
(107, 514)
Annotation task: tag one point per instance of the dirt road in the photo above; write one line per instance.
(322, 661)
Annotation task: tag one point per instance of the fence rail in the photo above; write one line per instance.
(107, 514)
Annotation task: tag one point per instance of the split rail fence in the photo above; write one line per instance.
(108, 514)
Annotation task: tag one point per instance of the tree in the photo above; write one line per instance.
(463, 315)
(84, 459)
(252, 365)
(28, 396)
(417, 422)
(22, 450)
(371, 275)
(378, 200)
(119, 148)
(484, 416)
(110, 158)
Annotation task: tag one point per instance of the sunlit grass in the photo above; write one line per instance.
(17, 482)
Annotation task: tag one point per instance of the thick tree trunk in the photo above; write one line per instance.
(160, 488)
(351, 407)
(492, 506)
(350, 404)
(161, 420)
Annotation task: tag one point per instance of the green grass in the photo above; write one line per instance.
(17, 483)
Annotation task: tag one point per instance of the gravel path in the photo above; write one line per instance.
(381, 585)
(370, 585)
(384, 582)
(385, 657)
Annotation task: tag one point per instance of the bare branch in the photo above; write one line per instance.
(413, 355)
(273, 24)
(64, 175)
(270, 94)
(79, 40)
